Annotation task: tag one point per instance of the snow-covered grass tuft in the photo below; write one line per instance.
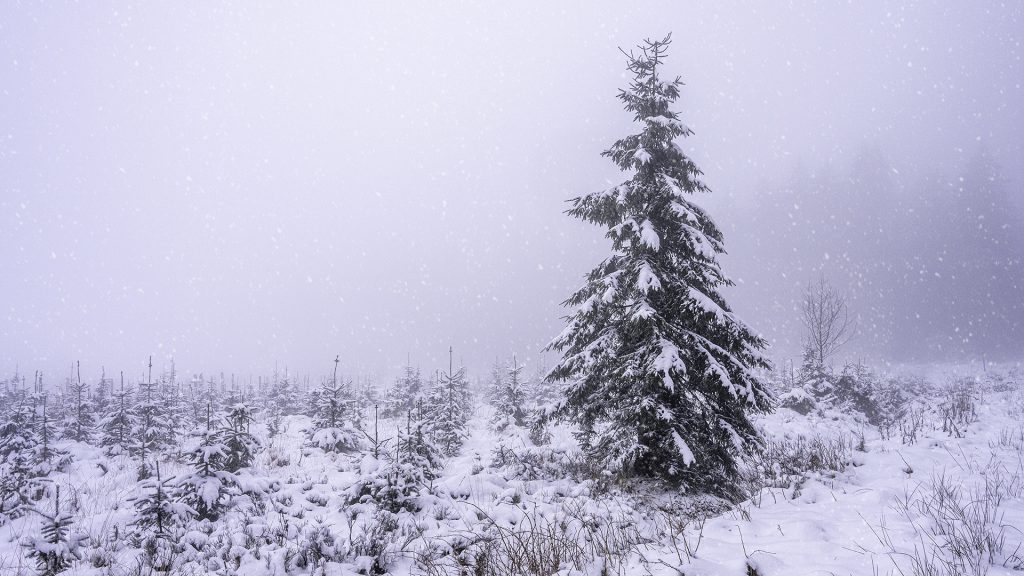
(958, 530)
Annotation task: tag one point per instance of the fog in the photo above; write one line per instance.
(240, 186)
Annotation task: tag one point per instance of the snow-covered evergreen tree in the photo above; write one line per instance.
(390, 491)
(508, 395)
(178, 419)
(99, 401)
(395, 483)
(815, 377)
(364, 401)
(496, 382)
(813, 386)
(47, 456)
(544, 394)
(159, 513)
(10, 389)
(332, 428)
(283, 397)
(239, 444)
(280, 398)
(154, 429)
(859, 390)
(17, 447)
(401, 398)
(16, 430)
(417, 451)
(197, 400)
(55, 548)
(148, 434)
(119, 422)
(662, 377)
(79, 420)
(448, 409)
(207, 489)
(214, 394)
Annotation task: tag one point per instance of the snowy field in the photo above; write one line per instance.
(936, 488)
(700, 241)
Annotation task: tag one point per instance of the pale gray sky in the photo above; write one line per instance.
(243, 184)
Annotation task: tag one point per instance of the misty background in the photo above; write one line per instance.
(241, 186)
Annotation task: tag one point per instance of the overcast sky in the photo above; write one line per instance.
(239, 185)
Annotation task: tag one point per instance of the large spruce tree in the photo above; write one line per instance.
(662, 377)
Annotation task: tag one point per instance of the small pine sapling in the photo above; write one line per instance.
(210, 486)
(55, 548)
(17, 449)
(390, 493)
(240, 445)
(79, 419)
(159, 513)
(152, 424)
(48, 457)
(118, 423)
(509, 398)
(403, 395)
(334, 408)
(448, 409)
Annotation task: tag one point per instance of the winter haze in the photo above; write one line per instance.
(239, 186)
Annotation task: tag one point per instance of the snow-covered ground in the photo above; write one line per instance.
(938, 492)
